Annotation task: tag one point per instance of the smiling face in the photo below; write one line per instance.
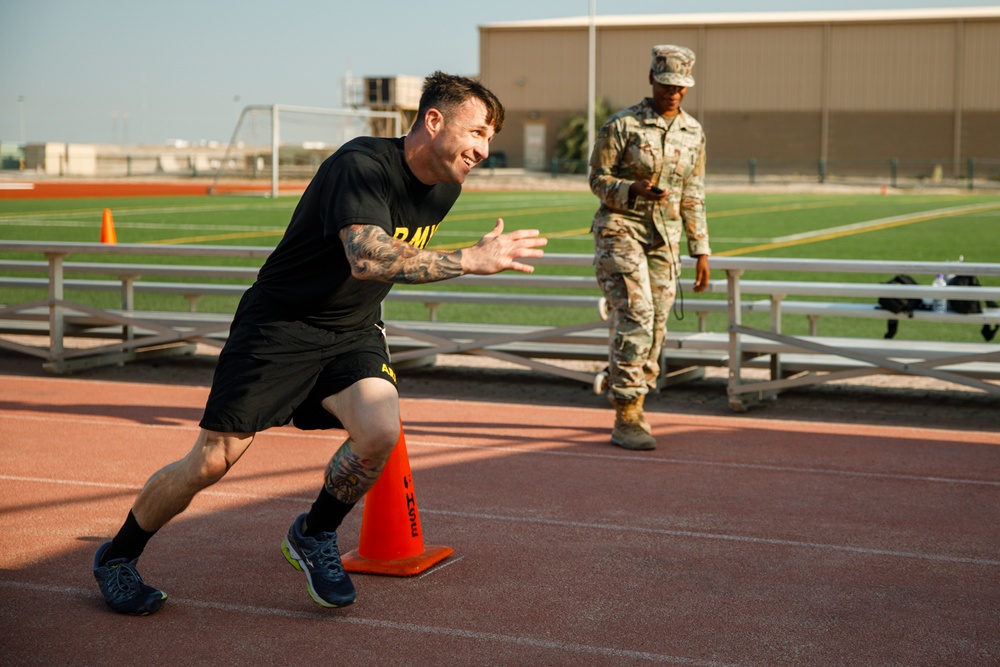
(461, 140)
(666, 99)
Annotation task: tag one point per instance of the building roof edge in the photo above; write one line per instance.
(722, 18)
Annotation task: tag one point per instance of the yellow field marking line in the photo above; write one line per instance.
(778, 208)
(469, 216)
(584, 231)
(525, 211)
(722, 214)
(555, 235)
(450, 246)
(860, 228)
(217, 237)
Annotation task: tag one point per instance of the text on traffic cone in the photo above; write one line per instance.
(108, 228)
(391, 536)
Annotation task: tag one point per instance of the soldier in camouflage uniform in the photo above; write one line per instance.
(648, 170)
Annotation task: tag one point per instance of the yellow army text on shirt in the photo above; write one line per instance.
(637, 143)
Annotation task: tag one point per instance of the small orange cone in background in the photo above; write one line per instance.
(391, 538)
(108, 228)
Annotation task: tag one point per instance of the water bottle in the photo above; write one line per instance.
(940, 304)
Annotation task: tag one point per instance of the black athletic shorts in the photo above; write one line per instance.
(275, 370)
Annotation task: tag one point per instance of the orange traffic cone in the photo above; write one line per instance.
(391, 538)
(108, 228)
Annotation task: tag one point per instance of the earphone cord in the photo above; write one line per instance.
(679, 297)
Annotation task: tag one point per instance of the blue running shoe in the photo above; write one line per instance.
(122, 586)
(319, 558)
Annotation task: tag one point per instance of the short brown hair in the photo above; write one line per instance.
(446, 91)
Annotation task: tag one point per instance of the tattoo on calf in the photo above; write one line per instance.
(348, 476)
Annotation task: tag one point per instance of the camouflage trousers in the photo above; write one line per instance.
(639, 281)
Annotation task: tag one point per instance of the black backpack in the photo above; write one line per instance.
(895, 304)
(972, 307)
(966, 307)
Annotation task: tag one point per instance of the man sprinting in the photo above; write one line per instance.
(307, 345)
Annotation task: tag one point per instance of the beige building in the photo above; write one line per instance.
(801, 88)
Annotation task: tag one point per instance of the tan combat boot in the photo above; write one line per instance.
(631, 428)
(642, 415)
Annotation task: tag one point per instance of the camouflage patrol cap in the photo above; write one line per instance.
(672, 65)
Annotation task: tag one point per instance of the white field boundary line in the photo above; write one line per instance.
(574, 525)
(413, 628)
(833, 472)
(861, 226)
(941, 212)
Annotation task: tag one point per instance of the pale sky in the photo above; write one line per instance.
(74, 70)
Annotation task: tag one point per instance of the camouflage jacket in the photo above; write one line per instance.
(636, 144)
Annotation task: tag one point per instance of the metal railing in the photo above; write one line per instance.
(929, 358)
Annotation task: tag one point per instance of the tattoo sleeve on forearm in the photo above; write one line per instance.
(348, 476)
(374, 255)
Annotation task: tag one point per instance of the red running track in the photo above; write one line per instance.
(738, 542)
(59, 188)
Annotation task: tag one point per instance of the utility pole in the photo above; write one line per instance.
(591, 78)
(20, 111)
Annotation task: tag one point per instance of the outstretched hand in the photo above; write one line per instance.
(497, 252)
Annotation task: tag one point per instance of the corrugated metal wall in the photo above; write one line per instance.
(834, 89)
(892, 68)
(536, 70)
(981, 67)
(766, 68)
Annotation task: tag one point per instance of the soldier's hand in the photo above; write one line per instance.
(702, 274)
(647, 190)
(497, 251)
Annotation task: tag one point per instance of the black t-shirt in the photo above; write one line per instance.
(366, 182)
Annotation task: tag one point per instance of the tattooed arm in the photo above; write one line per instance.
(374, 255)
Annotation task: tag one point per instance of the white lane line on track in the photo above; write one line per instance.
(330, 617)
(575, 525)
(963, 560)
(718, 464)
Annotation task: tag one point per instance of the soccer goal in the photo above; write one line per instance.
(279, 143)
